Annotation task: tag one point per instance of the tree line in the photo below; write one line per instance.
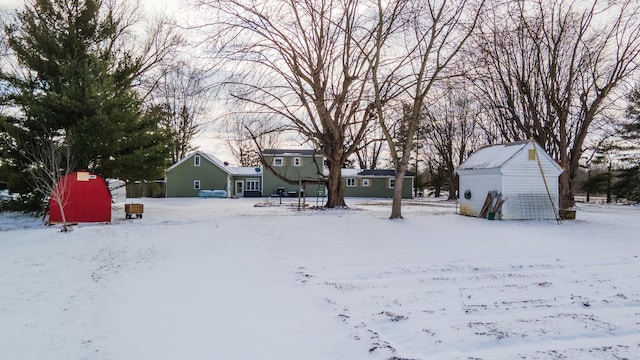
(418, 84)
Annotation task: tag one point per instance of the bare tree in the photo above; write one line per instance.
(432, 36)
(306, 62)
(246, 136)
(371, 148)
(550, 69)
(451, 131)
(183, 95)
(51, 163)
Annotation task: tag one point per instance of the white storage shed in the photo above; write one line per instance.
(521, 172)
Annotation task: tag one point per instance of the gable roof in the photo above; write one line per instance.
(212, 159)
(382, 172)
(368, 172)
(493, 156)
(497, 156)
(246, 171)
(301, 152)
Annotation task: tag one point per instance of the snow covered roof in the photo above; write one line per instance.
(211, 158)
(493, 156)
(231, 170)
(246, 171)
(367, 172)
(299, 152)
(349, 172)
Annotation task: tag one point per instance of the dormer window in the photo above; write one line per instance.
(297, 161)
(278, 161)
(196, 160)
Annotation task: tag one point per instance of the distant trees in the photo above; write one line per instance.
(181, 99)
(548, 68)
(74, 79)
(246, 136)
(450, 132)
(628, 179)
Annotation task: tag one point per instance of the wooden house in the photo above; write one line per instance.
(201, 171)
(374, 183)
(303, 170)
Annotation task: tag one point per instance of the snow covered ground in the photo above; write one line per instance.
(222, 279)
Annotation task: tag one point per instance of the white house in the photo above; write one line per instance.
(522, 172)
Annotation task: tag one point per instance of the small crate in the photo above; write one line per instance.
(567, 214)
(133, 209)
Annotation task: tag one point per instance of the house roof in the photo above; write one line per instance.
(231, 170)
(382, 172)
(371, 173)
(493, 156)
(301, 152)
(246, 171)
(497, 156)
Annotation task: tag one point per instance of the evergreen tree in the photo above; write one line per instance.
(628, 180)
(79, 87)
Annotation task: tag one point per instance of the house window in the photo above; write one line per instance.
(253, 185)
(392, 183)
(297, 161)
(532, 154)
(365, 182)
(196, 160)
(278, 161)
(196, 184)
(351, 182)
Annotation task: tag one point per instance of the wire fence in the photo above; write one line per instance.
(529, 206)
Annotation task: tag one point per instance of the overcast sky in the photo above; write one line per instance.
(170, 5)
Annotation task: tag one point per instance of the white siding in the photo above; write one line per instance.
(525, 190)
(479, 184)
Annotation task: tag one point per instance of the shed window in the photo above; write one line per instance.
(365, 182)
(532, 154)
(392, 183)
(196, 184)
(297, 161)
(278, 161)
(196, 160)
(351, 182)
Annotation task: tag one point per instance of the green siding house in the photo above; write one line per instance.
(201, 171)
(303, 170)
(300, 166)
(374, 183)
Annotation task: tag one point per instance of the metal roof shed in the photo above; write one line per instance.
(522, 172)
(86, 198)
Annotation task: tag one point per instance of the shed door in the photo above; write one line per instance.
(239, 188)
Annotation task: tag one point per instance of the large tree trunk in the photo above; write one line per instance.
(565, 191)
(396, 206)
(335, 195)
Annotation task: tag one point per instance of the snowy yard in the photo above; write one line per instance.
(222, 279)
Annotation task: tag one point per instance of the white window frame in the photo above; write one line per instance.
(365, 183)
(197, 185)
(351, 182)
(391, 183)
(278, 161)
(196, 160)
(297, 161)
(252, 185)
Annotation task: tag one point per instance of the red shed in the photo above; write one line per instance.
(86, 199)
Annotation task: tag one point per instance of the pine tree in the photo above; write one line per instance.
(79, 87)
(628, 180)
